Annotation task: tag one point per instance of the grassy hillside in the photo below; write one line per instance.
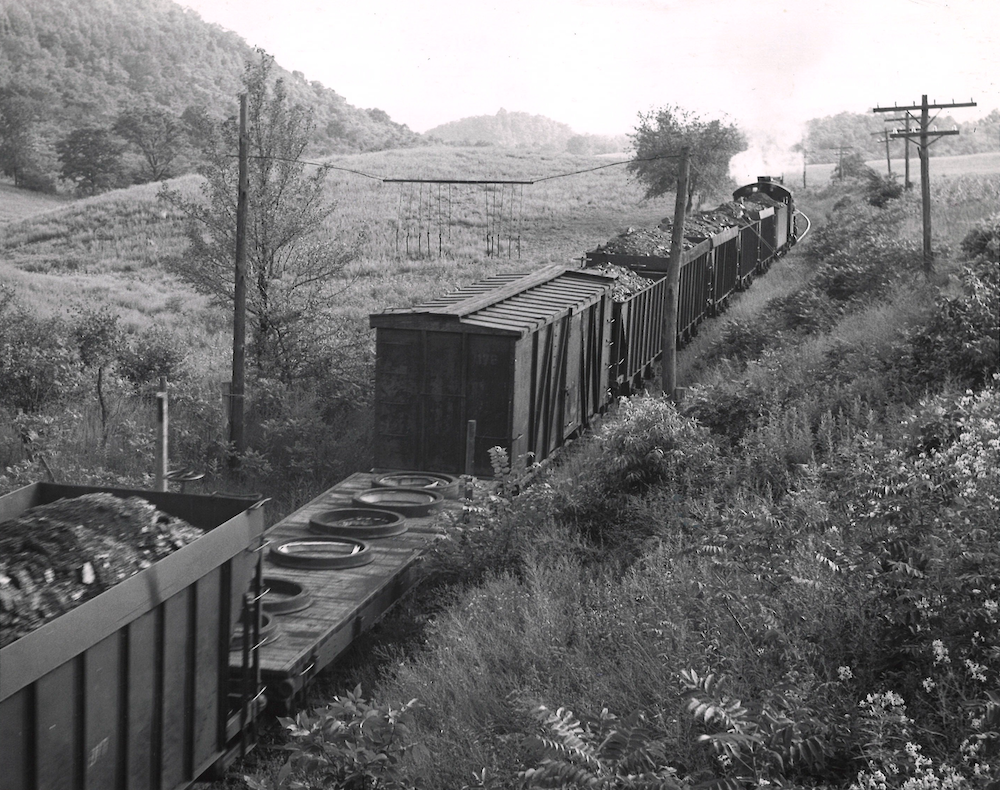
(17, 204)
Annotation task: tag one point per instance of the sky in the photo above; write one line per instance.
(596, 64)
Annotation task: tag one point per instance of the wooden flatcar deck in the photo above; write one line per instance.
(346, 602)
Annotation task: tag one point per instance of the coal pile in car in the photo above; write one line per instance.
(54, 557)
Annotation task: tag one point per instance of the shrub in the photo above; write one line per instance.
(650, 443)
(983, 239)
(147, 355)
(599, 751)
(351, 743)
(879, 189)
(961, 340)
(37, 359)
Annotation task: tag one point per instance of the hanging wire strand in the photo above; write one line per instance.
(384, 180)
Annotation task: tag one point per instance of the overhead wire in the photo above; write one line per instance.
(386, 180)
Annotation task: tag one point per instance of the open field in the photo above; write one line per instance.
(18, 204)
(945, 167)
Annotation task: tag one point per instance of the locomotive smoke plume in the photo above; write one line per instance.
(770, 153)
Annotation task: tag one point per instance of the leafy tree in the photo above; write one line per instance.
(851, 165)
(90, 157)
(156, 134)
(663, 133)
(99, 338)
(17, 138)
(291, 256)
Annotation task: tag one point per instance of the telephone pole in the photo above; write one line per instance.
(840, 149)
(237, 436)
(907, 184)
(888, 162)
(668, 368)
(922, 137)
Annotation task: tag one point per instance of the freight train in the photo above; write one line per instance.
(524, 362)
(160, 679)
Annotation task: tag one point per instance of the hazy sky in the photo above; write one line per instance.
(595, 64)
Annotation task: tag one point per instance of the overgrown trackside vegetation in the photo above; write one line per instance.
(792, 580)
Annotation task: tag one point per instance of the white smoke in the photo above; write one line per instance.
(770, 153)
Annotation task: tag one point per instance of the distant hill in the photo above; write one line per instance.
(78, 62)
(522, 130)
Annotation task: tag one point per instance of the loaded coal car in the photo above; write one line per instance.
(722, 251)
(525, 356)
(117, 608)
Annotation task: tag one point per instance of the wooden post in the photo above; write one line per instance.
(907, 184)
(670, 293)
(923, 143)
(237, 436)
(470, 456)
(925, 185)
(162, 464)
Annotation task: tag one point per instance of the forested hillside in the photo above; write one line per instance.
(863, 133)
(67, 64)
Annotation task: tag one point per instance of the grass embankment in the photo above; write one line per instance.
(793, 579)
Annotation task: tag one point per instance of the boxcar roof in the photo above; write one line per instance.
(508, 304)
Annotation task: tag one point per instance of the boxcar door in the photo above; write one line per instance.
(571, 368)
(398, 365)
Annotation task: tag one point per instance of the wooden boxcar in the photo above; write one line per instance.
(524, 355)
(129, 689)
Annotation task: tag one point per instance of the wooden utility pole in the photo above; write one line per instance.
(923, 139)
(162, 465)
(670, 293)
(907, 184)
(888, 162)
(840, 157)
(237, 436)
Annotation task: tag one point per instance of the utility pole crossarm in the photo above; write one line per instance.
(916, 135)
(925, 106)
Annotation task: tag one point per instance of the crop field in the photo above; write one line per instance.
(940, 167)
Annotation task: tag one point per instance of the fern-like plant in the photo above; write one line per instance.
(598, 752)
(768, 742)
